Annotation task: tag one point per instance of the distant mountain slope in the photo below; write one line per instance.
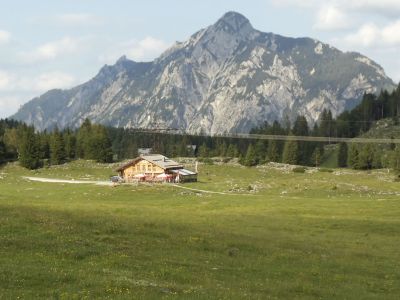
(227, 77)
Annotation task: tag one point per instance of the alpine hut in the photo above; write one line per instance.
(155, 168)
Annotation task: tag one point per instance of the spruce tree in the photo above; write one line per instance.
(99, 146)
(273, 151)
(44, 145)
(83, 140)
(395, 159)
(232, 151)
(316, 157)
(260, 151)
(70, 144)
(57, 148)
(290, 153)
(366, 157)
(342, 155)
(204, 150)
(29, 149)
(183, 149)
(222, 149)
(250, 159)
(2, 152)
(352, 157)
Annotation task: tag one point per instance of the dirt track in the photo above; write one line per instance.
(52, 180)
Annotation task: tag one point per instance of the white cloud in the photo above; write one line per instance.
(298, 3)
(16, 89)
(12, 82)
(77, 19)
(148, 47)
(9, 104)
(52, 50)
(143, 50)
(5, 37)
(331, 18)
(388, 8)
(384, 7)
(5, 80)
(53, 80)
(370, 35)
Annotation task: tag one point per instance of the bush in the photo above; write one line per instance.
(299, 170)
(226, 160)
(207, 161)
(326, 170)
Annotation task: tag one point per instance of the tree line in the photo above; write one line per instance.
(37, 149)
(102, 144)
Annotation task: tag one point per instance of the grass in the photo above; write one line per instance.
(313, 235)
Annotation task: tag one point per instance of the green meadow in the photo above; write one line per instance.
(271, 233)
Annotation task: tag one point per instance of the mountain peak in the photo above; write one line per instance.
(227, 77)
(234, 21)
(122, 59)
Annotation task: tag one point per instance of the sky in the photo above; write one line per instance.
(46, 44)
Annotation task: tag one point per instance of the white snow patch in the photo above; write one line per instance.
(319, 49)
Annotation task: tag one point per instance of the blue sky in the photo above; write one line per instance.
(58, 44)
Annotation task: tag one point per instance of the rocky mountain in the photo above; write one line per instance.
(227, 77)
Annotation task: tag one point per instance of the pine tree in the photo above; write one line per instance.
(250, 159)
(352, 157)
(273, 152)
(395, 159)
(83, 140)
(316, 157)
(100, 145)
(327, 124)
(2, 152)
(204, 150)
(232, 151)
(366, 157)
(57, 148)
(44, 145)
(29, 149)
(342, 155)
(222, 148)
(70, 144)
(260, 151)
(183, 149)
(291, 153)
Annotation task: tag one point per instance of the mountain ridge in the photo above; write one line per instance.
(227, 77)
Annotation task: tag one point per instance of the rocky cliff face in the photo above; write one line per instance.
(228, 77)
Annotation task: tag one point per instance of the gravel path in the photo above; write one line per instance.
(52, 180)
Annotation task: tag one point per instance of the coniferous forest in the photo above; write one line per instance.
(105, 144)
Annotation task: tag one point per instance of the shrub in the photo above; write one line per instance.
(326, 170)
(207, 161)
(299, 170)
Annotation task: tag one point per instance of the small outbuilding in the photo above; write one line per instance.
(155, 168)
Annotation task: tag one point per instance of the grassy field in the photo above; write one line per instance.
(313, 235)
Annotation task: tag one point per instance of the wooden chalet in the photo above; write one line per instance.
(155, 168)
